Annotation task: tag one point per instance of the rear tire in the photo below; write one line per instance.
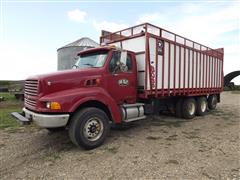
(189, 108)
(212, 102)
(89, 128)
(201, 106)
(178, 108)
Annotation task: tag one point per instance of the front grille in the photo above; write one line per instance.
(31, 92)
(30, 102)
(31, 87)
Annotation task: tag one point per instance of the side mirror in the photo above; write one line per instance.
(123, 58)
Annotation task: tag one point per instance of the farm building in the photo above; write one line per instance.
(67, 53)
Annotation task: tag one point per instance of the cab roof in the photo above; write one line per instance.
(102, 48)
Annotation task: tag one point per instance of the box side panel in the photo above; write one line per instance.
(194, 65)
(171, 79)
(177, 67)
(186, 70)
(210, 72)
(214, 72)
(159, 76)
(202, 72)
(221, 68)
(190, 76)
(166, 55)
(134, 44)
(141, 69)
(205, 70)
(198, 70)
(182, 62)
(152, 55)
(219, 73)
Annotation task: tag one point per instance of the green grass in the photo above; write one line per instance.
(7, 96)
(6, 107)
(6, 120)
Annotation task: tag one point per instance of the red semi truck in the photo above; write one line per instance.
(136, 72)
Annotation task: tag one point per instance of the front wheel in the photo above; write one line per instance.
(89, 128)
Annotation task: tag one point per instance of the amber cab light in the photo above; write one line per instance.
(98, 81)
(53, 105)
(93, 82)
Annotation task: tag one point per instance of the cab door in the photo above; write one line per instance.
(121, 78)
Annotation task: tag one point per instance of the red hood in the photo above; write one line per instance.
(61, 80)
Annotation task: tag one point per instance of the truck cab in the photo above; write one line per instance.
(100, 87)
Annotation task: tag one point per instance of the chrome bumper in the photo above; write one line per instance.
(43, 120)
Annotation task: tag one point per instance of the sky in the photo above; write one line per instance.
(32, 31)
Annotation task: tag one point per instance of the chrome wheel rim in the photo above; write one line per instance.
(93, 129)
(203, 106)
(191, 108)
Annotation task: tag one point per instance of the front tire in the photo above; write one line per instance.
(89, 128)
(189, 108)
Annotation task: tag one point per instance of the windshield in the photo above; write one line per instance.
(93, 60)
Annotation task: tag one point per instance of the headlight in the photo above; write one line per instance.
(48, 105)
(53, 105)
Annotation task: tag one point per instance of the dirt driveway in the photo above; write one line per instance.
(157, 148)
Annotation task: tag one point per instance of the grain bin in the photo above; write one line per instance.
(67, 53)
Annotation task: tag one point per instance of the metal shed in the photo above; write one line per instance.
(67, 53)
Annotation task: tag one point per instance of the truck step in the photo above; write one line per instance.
(134, 119)
(20, 118)
(132, 105)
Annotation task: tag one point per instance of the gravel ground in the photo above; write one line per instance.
(161, 147)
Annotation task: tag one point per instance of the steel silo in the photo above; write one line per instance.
(67, 53)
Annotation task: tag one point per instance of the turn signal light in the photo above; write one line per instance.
(93, 82)
(53, 105)
(98, 81)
